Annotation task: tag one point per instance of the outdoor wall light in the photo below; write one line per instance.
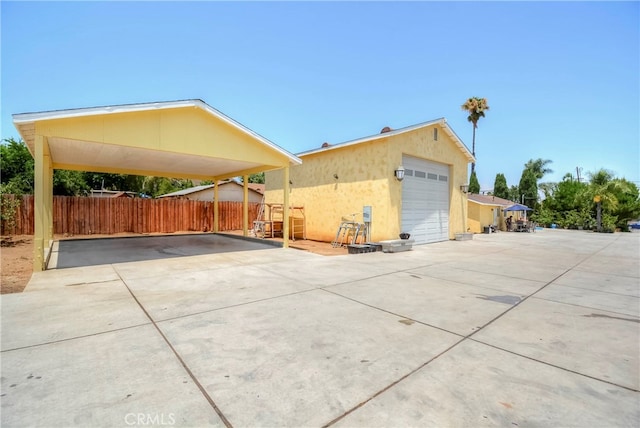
(464, 188)
(399, 173)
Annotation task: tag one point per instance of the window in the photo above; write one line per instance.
(442, 178)
(432, 176)
(421, 174)
(408, 172)
(435, 134)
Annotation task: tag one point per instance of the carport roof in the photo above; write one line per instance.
(125, 155)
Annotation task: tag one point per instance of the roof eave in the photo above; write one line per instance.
(26, 118)
(442, 122)
(489, 204)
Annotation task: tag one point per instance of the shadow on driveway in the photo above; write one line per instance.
(92, 252)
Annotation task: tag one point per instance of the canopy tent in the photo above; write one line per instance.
(179, 139)
(518, 207)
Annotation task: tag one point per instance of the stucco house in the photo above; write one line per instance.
(486, 210)
(228, 190)
(410, 180)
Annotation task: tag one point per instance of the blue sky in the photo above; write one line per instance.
(562, 79)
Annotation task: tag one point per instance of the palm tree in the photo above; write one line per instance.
(602, 191)
(539, 167)
(476, 108)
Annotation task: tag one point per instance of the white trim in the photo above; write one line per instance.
(442, 122)
(24, 118)
(495, 204)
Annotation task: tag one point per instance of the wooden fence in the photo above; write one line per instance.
(86, 216)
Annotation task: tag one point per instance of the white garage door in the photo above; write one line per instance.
(425, 200)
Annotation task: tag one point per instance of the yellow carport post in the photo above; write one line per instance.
(245, 205)
(42, 201)
(49, 199)
(285, 209)
(216, 211)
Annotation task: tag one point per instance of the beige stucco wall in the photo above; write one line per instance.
(235, 193)
(226, 192)
(365, 177)
(482, 215)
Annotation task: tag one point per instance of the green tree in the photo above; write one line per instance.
(107, 181)
(602, 193)
(476, 107)
(563, 196)
(257, 178)
(500, 188)
(628, 203)
(539, 167)
(16, 167)
(69, 183)
(156, 186)
(474, 185)
(528, 189)
(514, 193)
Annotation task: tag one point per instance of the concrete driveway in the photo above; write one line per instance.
(509, 329)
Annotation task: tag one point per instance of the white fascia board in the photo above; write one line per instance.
(292, 158)
(457, 140)
(22, 118)
(487, 204)
(369, 138)
(441, 121)
(93, 111)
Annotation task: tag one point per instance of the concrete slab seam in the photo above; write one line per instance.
(617, 238)
(74, 338)
(455, 281)
(391, 313)
(238, 305)
(569, 269)
(591, 307)
(463, 339)
(554, 365)
(391, 385)
(182, 362)
(599, 291)
(614, 275)
(483, 272)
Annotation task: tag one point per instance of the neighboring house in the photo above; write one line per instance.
(335, 181)
(486, 210)
(229, 190)
(111, 194)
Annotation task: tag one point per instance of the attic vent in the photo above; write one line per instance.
(386, 129)
(325, 144)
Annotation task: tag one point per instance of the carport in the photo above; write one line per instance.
(178, 139)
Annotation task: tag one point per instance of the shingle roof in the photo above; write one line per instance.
(489, 200)
(188, 191)
(256, 187)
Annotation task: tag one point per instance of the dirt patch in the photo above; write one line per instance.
(16, 261)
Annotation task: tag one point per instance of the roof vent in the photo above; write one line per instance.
(325, 144)
(386, 129)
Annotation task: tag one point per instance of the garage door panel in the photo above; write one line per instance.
(425, 200)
